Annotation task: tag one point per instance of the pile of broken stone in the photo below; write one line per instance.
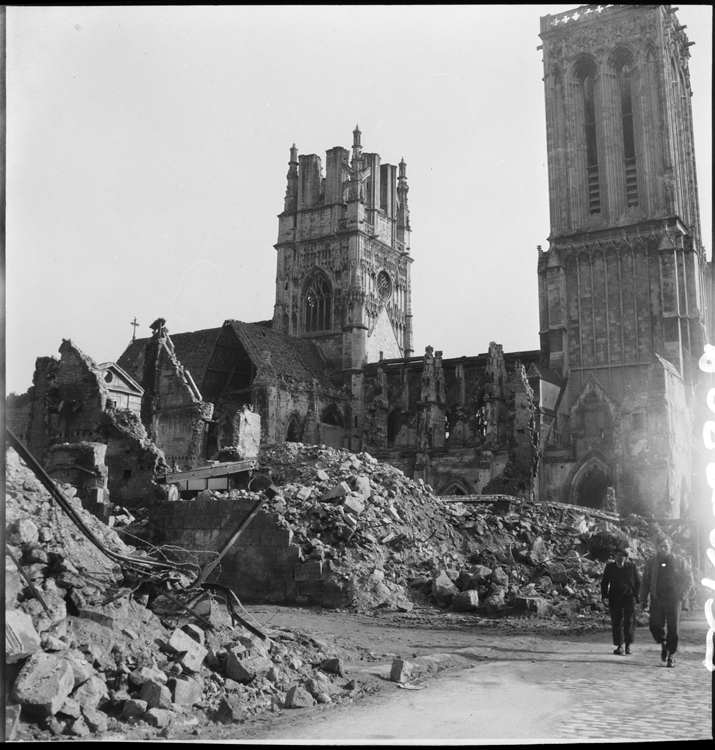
(85, 653)
(391, 543)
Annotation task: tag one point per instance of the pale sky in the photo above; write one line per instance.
(147, 149)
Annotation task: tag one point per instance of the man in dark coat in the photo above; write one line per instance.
(620, 587)
(668, 580)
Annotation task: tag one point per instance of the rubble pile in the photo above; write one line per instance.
(544, 559)
(85, 653)
(390, 542)
(375, 527)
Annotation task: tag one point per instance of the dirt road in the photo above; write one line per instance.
(500, 683)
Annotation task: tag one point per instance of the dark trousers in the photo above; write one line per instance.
(623, 620)
(665, 614)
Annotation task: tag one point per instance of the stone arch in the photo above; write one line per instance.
(621, 55)
(294, 431)
(331, 415)
(590, 481)
(584, 65)
(455, 485)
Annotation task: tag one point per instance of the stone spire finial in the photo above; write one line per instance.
(357, 146)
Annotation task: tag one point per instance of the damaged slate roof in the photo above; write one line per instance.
(192, 349)
(293, 358)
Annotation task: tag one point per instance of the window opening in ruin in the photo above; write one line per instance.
(639, 422)
(127, 474)
(332, 416)
(317, 305)
(629, 148)
(587, 75)
(108, 377)
(480, 421)
(592, 487)
(294, 434)
(394, 423)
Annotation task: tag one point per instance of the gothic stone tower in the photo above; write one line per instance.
(622, 284)
(343, 266)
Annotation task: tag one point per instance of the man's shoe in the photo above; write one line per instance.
(671, 662)
(663, 652)
(628, 649)
(618, 651)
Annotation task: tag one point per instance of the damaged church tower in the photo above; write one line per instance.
(622, 286)
(343, 263)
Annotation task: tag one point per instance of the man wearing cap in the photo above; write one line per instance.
(668, 580)
(620, 586)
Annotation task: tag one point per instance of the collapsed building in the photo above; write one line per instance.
(605, 405)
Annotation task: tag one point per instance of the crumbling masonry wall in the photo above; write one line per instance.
(68, 404)
(464, 425)
(262, 566)
(172, 410)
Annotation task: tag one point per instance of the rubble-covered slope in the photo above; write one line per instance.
(389, 541)
(85, 653)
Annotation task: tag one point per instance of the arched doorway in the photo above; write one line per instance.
(294, 433)
(590, 483)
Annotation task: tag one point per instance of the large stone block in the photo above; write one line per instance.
(246, 670)
(557, 573)
(21, 638)
(337, 491)
(91, 694)
(465, 601)
(362, 485)
(230, 710)
(43, 684)
(496, 602)
(299, 697)
(185, 691)
(312, 570)
(353, 503)
(96, 720)
(156, 694)
(401, 670)
(190, 654)
(159, 717)
(443, 588)
(134, 708)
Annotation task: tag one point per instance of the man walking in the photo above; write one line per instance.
(620, 586)
(668, 580)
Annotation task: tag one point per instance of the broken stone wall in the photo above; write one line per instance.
(293, 412)
(262, 566)
(83, 466)
(173, 412)
(455, 424)
(17, 414)
(68, 404)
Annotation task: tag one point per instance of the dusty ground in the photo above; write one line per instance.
(474, 678)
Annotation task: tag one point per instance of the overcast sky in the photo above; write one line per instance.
(147, 149)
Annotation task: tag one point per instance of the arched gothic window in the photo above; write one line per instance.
(317, 304)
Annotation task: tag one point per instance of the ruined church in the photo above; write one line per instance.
(604, 406)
